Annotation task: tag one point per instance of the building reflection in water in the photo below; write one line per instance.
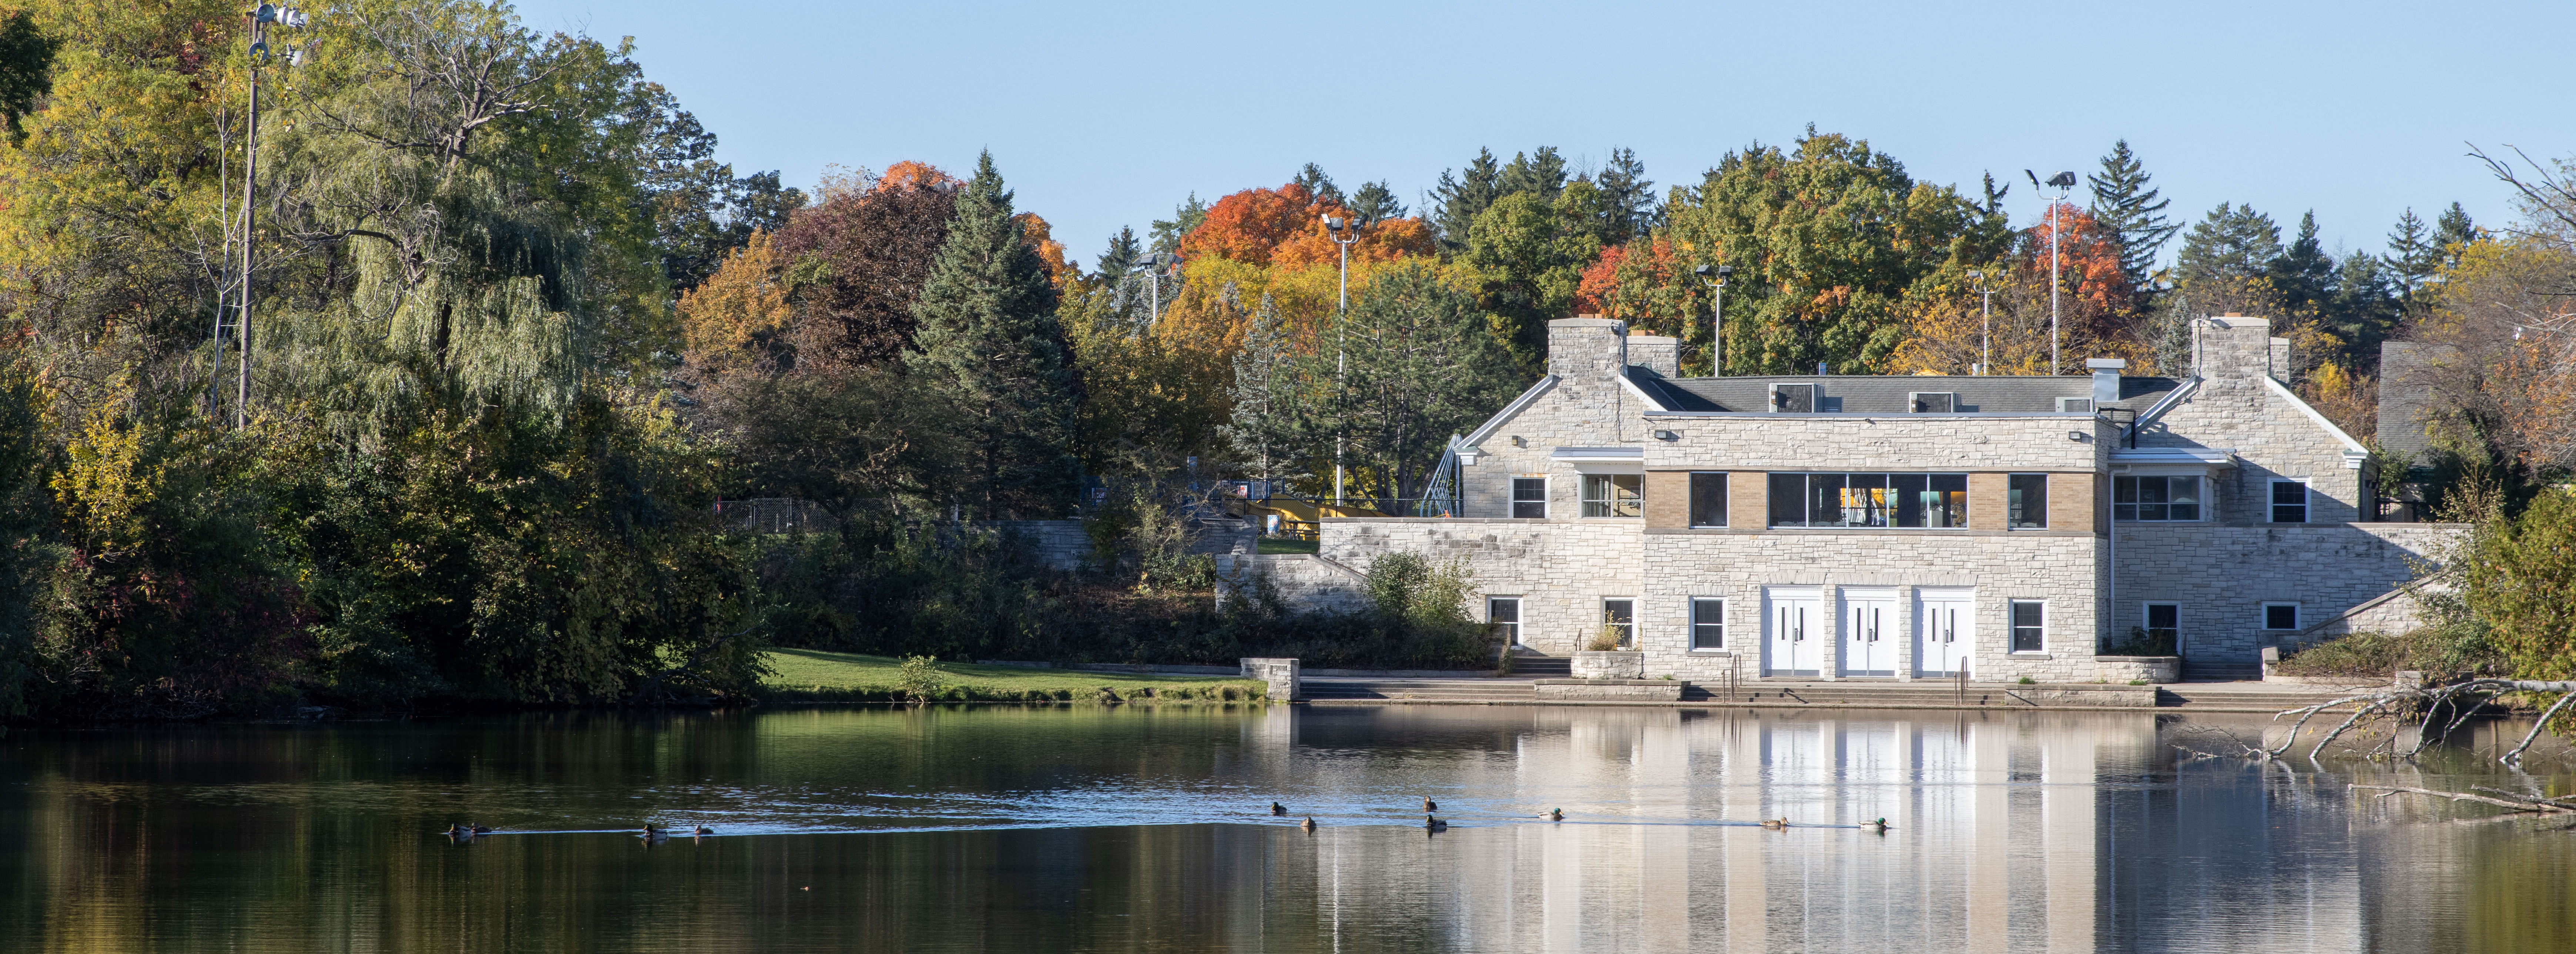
(2006, 832)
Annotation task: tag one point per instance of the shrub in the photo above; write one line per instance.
(920, 678)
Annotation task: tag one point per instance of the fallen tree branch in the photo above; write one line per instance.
(2432, 700)
(2520, 806)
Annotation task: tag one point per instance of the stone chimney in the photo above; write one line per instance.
(1586, 347)
(2232, 348)
(2280, 359)
(1660, 353)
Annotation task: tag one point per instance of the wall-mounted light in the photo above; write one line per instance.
(2078, 436)
(1667, 436)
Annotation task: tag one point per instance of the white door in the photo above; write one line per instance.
(1799, 627)
(1870, 633)
(1945, 622)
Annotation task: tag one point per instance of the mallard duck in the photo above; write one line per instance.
(704, 830)
(1553, 814)
(1429, 806)
(1433, 823)
(453, 831)
(1278, 809)
(1309, 824)
(1878, 825)
(477, 829)
(1776, 824)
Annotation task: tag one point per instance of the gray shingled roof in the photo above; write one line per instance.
(1877, 394)
(2405, 393)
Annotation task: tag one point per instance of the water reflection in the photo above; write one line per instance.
(1147, 829)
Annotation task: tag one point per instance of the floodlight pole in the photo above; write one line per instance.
(1717, 326)
(1341, 236)
(259, 18)
(1986, 321)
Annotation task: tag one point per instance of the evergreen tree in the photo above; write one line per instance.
(2125, 204)
(2413, 255)
(1463, 198)
(2304, 273)
(2452, 229)
(1374, 203)
(2364, 306)
(988, 340)
(1266, 392)
(1319, 185)
(1541, 171)
(1122, 256)
(2232, 242)
(1185, 219)
(1631, 196)
(1422, 368)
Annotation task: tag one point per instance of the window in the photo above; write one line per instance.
(1614, 495)
(1933, 402)
(1793, 398)
(2149, 499)
(2027, 501)
(2280, 616)
(1503, 614)
(1529, 498)
(1708, 500)
(1933, 501)
(1708, 624)
(1619, 618)
(2068, 405)
(2164, 624)
(2289, 501)
(2029, 625)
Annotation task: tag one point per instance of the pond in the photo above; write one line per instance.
(1142, 828)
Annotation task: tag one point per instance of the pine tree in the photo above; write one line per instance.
(1185, 219)
(2304, 273)
(2413, 256)
(1319, 185)
(2232, 242)
(1541, 171)
(2453, 228)
(989, 342)
(1461, 199)
(1375, 203)
(2123, 202)
(1624, 185)
(1265, 392)
(1124, 251)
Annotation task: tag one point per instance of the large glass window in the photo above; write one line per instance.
(1529, 498)
(1932, 501)
(1708, 500)
(1619, 621)
(2150, 499)
(2029, 625)
(1503, 613)
(2289, 501)
(1614, 495)
(2026, 501)
(1708, 624)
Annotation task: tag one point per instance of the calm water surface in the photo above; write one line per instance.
(1146, 829)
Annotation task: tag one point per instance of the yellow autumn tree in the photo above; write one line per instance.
(739, 315)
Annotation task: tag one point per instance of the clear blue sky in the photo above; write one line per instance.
(1103, 115)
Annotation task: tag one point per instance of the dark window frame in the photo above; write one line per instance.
(2269, 606)
(1512, 636)
(1915, 500)
(1614, 506)
(2036, 629)
(2301, 508)
(2018, 504)
(1698, 516)
(1610, 619)
(2173, 625)
(2130, 501)
(1708, 634)
(1540, 501)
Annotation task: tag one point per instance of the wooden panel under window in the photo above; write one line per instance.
(1667, 499)
(1748, 500)
(2073, 503)
(1989, 500)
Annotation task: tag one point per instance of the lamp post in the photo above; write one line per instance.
(260, 19)
(2064, 181)
(1337, 230)
(1986, 321)
(1153, 269)
(1716, 278)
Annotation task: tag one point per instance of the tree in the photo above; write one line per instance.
(1540, 172)
(1374, 203)
(1123, 254)
(1628, 196)
(2453, 229)
(1464, 198)
(860, 259)
(2413, 255)
(26, 67)
(1825, 240)
(1319, 185)
(2304, 273)
(2232, 241)
(1168, 233)
(988, 339)
(2126, 205)
(1422, 368)
(1528, 258)
(1648, 284)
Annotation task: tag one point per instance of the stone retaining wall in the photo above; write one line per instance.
(2152, 669)
(1609, 690)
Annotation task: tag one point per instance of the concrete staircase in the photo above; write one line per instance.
(1487, 691)
(2197, 671)
(1535, 666)
(2245, 697)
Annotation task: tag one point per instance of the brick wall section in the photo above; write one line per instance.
(1668, 499)
(1561, 570)
(2073, 503)
(1748, 500)
(2221, 576)
(1988, 494)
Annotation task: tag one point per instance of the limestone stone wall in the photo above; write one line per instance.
(2273, 437)
(2126, 669)
(1561, 570)
(1306, 582)
(2058, 568)
(2220, 576)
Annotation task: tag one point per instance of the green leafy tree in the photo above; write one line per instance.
(1528, 258)
(1628, 198)
(1122, 255)
(26, 67)
(2452, 231)
(2520, 581)
(1318, 184)
(2126, 204)
(1422, 368)
(989, 342)
(1540, 171)
(1826, 239)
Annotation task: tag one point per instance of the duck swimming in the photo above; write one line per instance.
(1309, 824)
(477, 829)
(704, 830)
(1878, 825)
(1278, 809)
(1434, 824)
(1554, 814)
(1430, 806)
(1776, 824)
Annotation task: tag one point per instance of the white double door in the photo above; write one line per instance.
(1873, 633)
(1800, 625)
(1944, 630)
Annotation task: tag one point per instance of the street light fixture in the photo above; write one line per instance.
(1343, 235)
(1152, 265)
(1986, 320)
(1715, 277)
(2064, 181)
(260, 20)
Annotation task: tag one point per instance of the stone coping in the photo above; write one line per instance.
(1612, 682)
(2138, 659)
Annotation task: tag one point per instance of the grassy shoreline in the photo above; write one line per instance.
(812, 675)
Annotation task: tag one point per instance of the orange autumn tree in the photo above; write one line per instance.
(1285, 226)
(1648, 283)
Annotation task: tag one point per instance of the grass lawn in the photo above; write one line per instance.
(1286, 545)
(815, 676)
